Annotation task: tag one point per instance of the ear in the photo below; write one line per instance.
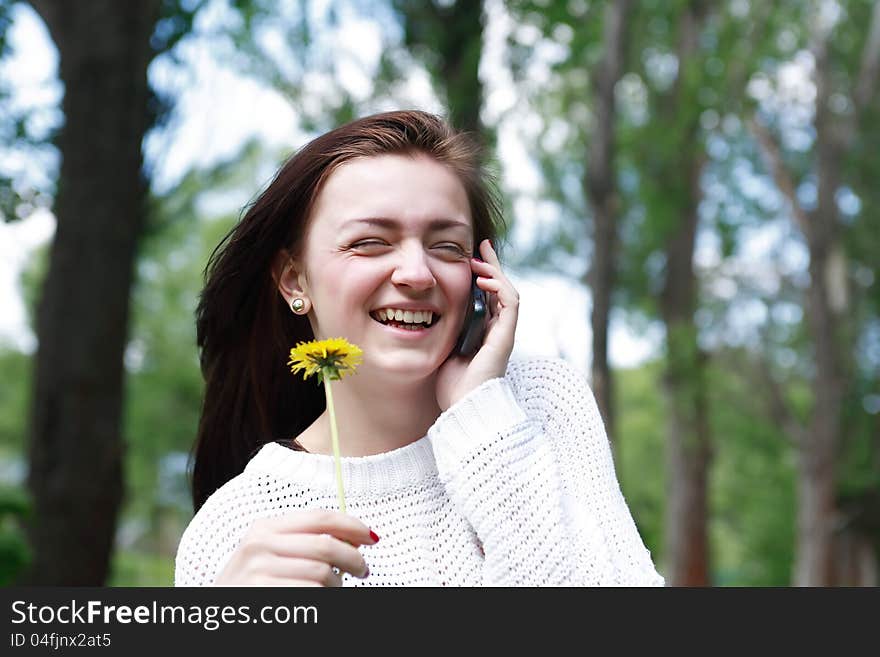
(290, 278)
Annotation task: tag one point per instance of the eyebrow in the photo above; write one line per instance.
(384, 222)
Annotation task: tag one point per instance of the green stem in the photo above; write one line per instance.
(334, 438)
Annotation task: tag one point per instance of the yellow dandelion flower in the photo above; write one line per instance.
(334, 358)
(330, 359)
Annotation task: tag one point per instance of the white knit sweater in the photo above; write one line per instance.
(513, 485)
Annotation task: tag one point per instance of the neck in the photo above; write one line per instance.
(374, 416)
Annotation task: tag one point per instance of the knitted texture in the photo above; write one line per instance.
(514, 485)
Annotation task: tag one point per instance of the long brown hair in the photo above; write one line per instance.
(244, 327)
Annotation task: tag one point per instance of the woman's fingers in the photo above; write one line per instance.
(323, 551)
(488, 253)
(502, 297)
(318, 573)
(311, 546)
(321, 521)
(490, 270)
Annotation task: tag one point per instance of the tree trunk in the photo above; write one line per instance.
(819, 443)
(857, 558)
(76, 447)
(688, 441)
(449, 36)
(814, 560)
(602, 193)
(461, 51)
(815, 520)
(818, 453)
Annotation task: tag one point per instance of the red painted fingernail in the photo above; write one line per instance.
(374, 536)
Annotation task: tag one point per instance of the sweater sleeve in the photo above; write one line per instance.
(535, 478)
(212, 535)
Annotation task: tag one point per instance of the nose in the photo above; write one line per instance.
(413, 269)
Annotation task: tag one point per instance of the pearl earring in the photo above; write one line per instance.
(297, 305)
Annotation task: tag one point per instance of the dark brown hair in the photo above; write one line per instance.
(244, 327)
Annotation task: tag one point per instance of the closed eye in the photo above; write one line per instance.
(452, 247)
(368, 243)
(373, 243)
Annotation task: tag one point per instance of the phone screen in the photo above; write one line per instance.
(474, 327)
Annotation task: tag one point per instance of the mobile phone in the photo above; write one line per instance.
(474, 327)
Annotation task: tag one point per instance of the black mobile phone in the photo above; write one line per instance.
(474, 327)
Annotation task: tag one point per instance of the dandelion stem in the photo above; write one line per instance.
(334, 438)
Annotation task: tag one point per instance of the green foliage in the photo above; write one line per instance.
(176, 21)
(15, 370)
(20, 138)
(641, 448)
(858, 468)
(751, 496)
(14, 550)
(131, 568)
(752, 487)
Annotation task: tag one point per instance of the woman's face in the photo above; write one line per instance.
(390, 232)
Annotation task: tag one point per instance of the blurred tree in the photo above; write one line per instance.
(75, 446)
(663, 153)
(443, 38)
(601, 188)
(447, 37)
(690, 63)
(846, 58)
(671, 175)
(162, 359)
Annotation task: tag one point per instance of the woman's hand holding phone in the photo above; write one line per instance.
(459, 374)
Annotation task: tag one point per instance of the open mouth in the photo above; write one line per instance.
(408, 320)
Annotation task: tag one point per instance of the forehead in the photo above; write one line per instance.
(411, 190)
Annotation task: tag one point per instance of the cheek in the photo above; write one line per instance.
(459, 288)
(342, 278)
(352, 287)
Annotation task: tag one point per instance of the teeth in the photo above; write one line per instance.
(408, 316)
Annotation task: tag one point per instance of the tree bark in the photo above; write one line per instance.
(814, 561)
(461, 51)
(688, 436)
(75, 443)
(602, 193)
(688, 440)
(453, 35)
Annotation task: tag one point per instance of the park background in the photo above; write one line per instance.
(692, 207)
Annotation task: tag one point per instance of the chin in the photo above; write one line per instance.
(406, 366)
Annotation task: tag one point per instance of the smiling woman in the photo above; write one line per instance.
(410, 254)
(475, 470)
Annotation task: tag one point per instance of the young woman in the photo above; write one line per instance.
(458, 470)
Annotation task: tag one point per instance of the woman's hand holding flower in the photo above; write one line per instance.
(300, 548)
